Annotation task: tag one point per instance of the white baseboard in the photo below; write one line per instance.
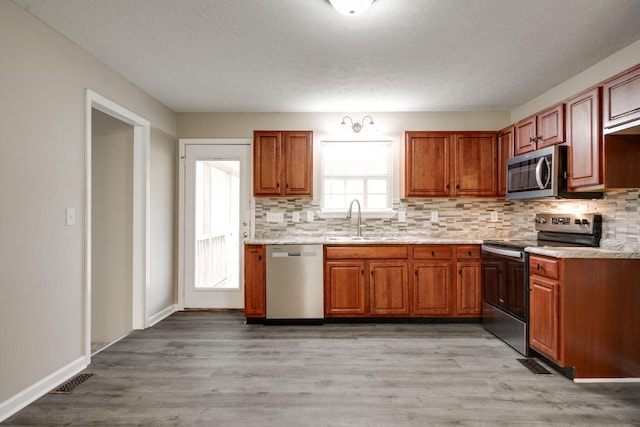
(606, 380)
(42, 387)
(162, 315)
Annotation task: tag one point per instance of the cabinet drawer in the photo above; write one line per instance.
(367, 252)
(432, 252)
(467, 252)
(546, 267)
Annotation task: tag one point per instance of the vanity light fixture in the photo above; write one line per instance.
(351, 7)
(357, 127)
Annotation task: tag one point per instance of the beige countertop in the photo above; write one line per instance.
(556, 252)
(367, 240)
(576, 252)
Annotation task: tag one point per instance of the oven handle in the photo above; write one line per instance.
(504, 252)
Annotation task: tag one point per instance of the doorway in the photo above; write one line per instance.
(136, 237)
(215, 205)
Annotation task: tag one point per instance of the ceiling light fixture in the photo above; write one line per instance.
(351, 7)
(357, 127)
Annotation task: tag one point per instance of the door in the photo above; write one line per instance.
(216, 221)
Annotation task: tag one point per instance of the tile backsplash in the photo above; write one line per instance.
(458, 218)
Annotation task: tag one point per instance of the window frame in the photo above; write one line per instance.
(386, 212)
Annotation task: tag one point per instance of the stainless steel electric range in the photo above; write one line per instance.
(505, 272)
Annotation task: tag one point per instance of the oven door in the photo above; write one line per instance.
(505, 285)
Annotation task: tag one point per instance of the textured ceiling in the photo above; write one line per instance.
(302, 56)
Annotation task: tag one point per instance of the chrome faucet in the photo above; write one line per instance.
(359, 231)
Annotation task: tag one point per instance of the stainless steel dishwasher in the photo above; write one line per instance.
(295, 286)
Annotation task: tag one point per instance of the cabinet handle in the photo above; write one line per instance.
(539, 267)
(460, 272)
(501, 300)
(278, 185)
(286, 185)
(372, 273)
(433, 254)
(457, 186)
(416, 272)
(469, 253)
(448, 186)
(362, 272)
(538, 138)
(259, 257)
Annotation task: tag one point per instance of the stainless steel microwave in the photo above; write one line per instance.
(539, 174)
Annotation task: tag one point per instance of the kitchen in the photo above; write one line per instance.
(72, 70)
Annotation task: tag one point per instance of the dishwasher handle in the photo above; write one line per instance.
(292, 254)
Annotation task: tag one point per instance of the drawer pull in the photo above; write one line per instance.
(433, 253)
(540, 267)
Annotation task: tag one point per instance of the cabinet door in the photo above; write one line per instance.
(388, 288)
(584, 139)
(427, 164)
(550, 126)
(505, 150)
(432, 289)
(344, 288)
(475, 164)
(254, 281)
(525, 135)
(298, 160)
(622, 100)
(544, 317)
(469, 292)
(267, 163)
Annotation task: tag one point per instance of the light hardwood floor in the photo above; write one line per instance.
(211, 369)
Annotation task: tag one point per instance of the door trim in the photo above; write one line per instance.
(182, 149)
(141, 207)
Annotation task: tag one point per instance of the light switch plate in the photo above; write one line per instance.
(70, 216)
(434, 216)
(295, 217)
(494, 216)
(402, 216)
(310, 216)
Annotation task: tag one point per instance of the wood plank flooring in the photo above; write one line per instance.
(211, 369)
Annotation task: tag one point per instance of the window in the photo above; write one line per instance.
(356, 170)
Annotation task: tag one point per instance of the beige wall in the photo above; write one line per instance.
(43, 79)
(242, 125)
(614, 64)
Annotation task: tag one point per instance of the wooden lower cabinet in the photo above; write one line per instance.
(432, 294)
(545, 317)
(388, 288)
(468, 289)
(362, 280)
(255, 281)
(583, 314)
(344, 288)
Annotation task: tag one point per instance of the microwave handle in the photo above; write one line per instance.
(542, 185)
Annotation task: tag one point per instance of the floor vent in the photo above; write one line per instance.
(70, 385)
(533, 366)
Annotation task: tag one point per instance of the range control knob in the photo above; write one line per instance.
(541, 220)
(585, 221)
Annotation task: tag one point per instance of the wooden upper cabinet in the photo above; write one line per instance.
(283, 163)
(621, 107)
(584, 139)
(475, 164)
(445, 164)
(426, 164)
(597, 162)
(540, 130)
(505, 150)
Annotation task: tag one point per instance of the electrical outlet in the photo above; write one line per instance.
(275, 217)
(310, 216)
(494, 216)
(402, 216)
(295, 217)
(434, 216)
